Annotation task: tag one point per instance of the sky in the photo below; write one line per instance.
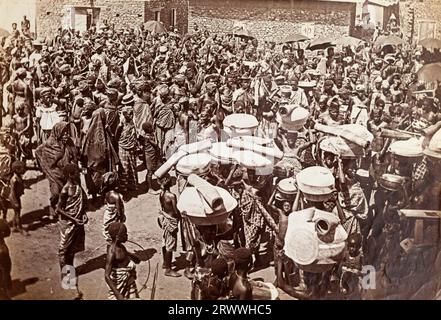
(14, 10)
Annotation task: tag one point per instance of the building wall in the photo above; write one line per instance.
(166, 8)
(50, 13)
(274, 19)
(424, 11)
(13, 11)
(123, 13)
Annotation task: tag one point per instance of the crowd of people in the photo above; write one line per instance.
(105, 102)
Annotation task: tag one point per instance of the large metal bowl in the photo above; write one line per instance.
(391, 182)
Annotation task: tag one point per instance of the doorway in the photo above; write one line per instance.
(85, 18)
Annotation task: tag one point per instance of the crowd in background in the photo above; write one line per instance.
(106, 102)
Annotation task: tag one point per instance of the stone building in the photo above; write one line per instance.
(420, 19)
(380, 11)
(82, 14)
(274, 19)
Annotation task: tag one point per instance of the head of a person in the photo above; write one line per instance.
(110, 180)
(99, 84)
(44, 67)
(91, 80)
(99, 49)
(21, 73)
(330, 51)
(322, 102)
(286, 207)
(354, 244)
(385, 87)
(243, 259)
(427, 104)
(164, 91)
(127, 112)
(20, 108)
(230, 81)
(334, 109)
(118, 232)
(378, 64)
(377, 83)
(251, 176)
(418, 55)
(179, 79)
(328, 159)
(245, 83)
(61, 132)
(338, 81)
(291, 138)
(112, 94)
(294, 84)
(112, 198)
(239, 107)
(166, 182)
(376, 115)
(360, 90)
(219, 267)
(18, 167)
(211, 88)
(350, 168)
(208, 232)
(380, 104)
(147, 127)
(88, 107)
(5, 230)
(353, 77)
(396, 110)
(327, 86)
(145, 71)
(72, 172)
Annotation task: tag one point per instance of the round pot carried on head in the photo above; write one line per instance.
(197, 163)
(315, 240)
(391, 182)
(341, 147)
(205, 204)
(286, 190)
(221, 153)
(407, 150)
(316, 183)
(240, 124)
(291, 117)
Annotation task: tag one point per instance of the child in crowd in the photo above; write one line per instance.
(114, 205)
(23, 131)
(351, 267)
(151, 152)
(5, 262)
(17, 190)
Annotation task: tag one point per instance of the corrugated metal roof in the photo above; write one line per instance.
(383, 3)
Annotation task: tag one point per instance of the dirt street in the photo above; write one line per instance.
(35, 270)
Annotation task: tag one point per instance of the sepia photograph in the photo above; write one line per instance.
(248, 150)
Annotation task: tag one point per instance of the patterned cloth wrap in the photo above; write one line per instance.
(170, 227)
(125, 281)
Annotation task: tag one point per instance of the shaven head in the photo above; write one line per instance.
(219, 267)
(242, 259)
(118, 232)
(5, 231)
(166, 182)
(71, 171)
